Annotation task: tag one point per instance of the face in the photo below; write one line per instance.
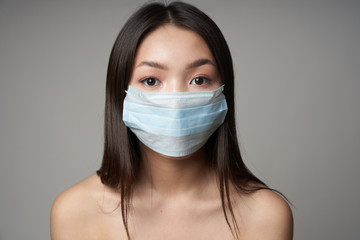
(174, 59)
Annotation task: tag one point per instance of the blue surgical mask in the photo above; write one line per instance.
(174, 124)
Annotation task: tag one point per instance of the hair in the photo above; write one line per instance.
(121, 158)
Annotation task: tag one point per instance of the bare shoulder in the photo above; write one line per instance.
(73, 208)
(267, 215)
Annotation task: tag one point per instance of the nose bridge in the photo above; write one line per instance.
(176, 84)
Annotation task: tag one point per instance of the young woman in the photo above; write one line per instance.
(171, 167)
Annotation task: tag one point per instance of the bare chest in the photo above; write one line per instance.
(178, 225)
(166, 224)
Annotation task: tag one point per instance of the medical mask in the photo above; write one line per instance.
(174, 124)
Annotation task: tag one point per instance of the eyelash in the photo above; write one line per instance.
(157, 82)
(207, 80)
(144, 81)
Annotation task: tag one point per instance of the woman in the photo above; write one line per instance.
(171, 167)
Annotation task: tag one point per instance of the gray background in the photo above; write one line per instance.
(297, 68)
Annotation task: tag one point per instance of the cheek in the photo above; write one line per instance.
(134, 79)
(131, 81)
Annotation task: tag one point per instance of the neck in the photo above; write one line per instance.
(168, 176)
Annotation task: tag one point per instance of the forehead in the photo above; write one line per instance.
(170, 42)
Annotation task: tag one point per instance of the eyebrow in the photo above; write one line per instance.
(152, 64)
(200, 62)
(195, 64)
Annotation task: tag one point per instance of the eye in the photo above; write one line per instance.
(199, 81)
(150, 82)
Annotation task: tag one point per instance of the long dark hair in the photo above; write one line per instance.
(121, 159)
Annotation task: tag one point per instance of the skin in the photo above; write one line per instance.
(175, 198)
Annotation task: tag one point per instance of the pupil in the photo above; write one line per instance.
(199, 81)
(151, 81)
